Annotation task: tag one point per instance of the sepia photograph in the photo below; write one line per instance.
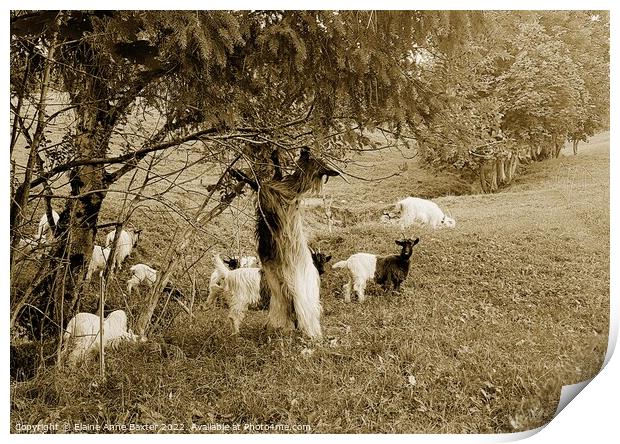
(305, 221)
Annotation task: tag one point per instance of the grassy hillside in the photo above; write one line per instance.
(495, 316)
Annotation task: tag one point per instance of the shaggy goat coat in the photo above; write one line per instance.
(242, 287)
(283, 248)
(385, 271)
(215, 282)
(82, 334)
(127, 241)
(245, 287)
(424, 212)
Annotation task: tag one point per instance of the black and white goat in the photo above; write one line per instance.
(288, 270)
(245, 287)
(384, 270)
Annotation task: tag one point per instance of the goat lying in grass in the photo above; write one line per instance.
(82, 335)
(215, 282)
(385, 270)
(245, 287)
(421, 211)
(127, 241)
(98, 260)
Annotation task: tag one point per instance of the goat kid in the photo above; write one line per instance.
(215, 282)
(127, 241)
(384, 270)
(245, 287)
(98, 260)
(143, 273)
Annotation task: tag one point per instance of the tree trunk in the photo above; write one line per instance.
(493, 179)
(59, 294)
(488, 176)
(500, 173)
(510, 167)
(575, 143)
(558, 143)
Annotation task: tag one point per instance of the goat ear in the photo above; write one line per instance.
(304, 154)
(399, 242)
(328, 258)
(415, 242)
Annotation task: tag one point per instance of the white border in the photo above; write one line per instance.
(592, 417)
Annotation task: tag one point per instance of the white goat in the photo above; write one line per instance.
(245, 287)
(384, 270)
(141, 273)
(98, 260)
(82, 334)
(28, 244)
(127, 241)
(424, 212)
(242, 289)
(44, 225)
(215, 282)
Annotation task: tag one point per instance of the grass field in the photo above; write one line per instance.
(495, 317)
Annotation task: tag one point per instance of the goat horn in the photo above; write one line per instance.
(337, 170)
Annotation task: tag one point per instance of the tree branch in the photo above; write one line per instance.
(206, 134)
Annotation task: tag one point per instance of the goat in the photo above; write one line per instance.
(245, 287)
(215, 287)
(82, 334)
(127, 241)
(143, 273)
(243, 262)
(27, 245)
(98, 260)
(415, 210)
(384, 270)
(288, 271)
(319, 260)
(44, 226)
